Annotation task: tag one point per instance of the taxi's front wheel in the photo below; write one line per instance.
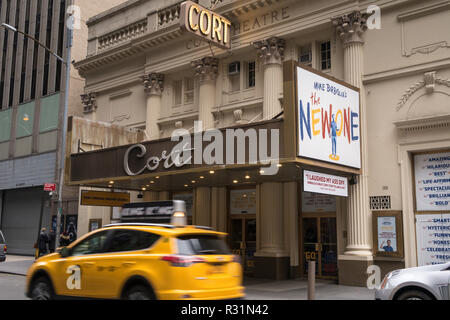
(138, 292)
(41, 290)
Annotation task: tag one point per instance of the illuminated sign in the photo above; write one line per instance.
(104, 199)
(205, 24)
(329, 124)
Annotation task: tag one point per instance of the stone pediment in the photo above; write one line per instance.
(426, 104)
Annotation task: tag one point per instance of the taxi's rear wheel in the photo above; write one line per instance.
(138, 292)
(41, 289)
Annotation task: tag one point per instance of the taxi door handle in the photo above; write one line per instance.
(128, 264)
(88, 264)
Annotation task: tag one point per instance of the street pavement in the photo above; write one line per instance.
(13, 271)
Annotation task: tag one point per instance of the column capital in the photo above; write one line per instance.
(350, 27)
(271, 50)
(206, 69)
(89, 102)
(153, 84)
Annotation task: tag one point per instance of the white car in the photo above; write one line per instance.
(422, 283)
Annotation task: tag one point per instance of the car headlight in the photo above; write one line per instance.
(388, 277)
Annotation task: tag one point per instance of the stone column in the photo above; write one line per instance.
(271, 259)
(89, 102)
(154, 87)
(358, 253)
(202, 202)
(271, 53)
(219, 208)
(206, 71)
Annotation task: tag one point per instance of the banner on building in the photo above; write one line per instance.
(329, 124)
(325, 184)
(432, 174)
(433, 238)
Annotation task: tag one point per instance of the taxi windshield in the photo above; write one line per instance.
(201, 245)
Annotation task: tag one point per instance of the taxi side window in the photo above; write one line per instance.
(131, 240)
(93, 245)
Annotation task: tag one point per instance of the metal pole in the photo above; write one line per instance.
(311, 280)
(62, 159)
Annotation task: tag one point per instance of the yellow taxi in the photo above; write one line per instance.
(140, 261)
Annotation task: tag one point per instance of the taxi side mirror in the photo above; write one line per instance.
(64, 252)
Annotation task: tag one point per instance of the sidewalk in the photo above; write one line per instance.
(17, 265)
(256, 289)
(260, 289)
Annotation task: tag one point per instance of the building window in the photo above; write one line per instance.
(183, 91)
(234, 74)
(188, 90)
(305, 55)
(25, 120)
(251, 74)
(325, 55)
(5, 124)
(177, 92)
(49, 113)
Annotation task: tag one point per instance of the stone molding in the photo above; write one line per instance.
(429, 83)
(271, 50)
(206, 69)
(350, 27)
(89, 102)
(153, 84)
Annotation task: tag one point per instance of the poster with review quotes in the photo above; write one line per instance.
(432, 175)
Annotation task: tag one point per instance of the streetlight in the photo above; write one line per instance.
(66, 105)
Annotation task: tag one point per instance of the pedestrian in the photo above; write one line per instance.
(42, 243)
(51, 241)
(64, 239)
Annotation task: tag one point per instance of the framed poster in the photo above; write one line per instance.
(328, 119)
(433, 239)
(432, 181)
(387, 234)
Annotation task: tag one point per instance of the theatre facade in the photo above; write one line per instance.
(305, 130)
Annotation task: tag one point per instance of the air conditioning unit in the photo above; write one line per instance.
(234, 68)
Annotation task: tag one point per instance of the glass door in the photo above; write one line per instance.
(243, 241)
(320, 245)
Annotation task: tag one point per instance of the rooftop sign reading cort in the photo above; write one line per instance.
(205, 24)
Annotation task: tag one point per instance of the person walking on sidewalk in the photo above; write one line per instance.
(42, 243)
(64, 239)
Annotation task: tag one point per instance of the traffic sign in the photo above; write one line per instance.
(50, 187)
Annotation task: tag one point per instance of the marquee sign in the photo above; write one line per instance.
(328, 118)
(205, 24)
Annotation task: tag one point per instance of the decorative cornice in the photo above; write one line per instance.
(89, 102)
(153, 84)
(419, 124)
(350, 27)
(206, 69)
(122, 35)
(429, 83)
(271, 50)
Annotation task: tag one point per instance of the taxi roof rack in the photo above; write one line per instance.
(168, 226)
(130, 224)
